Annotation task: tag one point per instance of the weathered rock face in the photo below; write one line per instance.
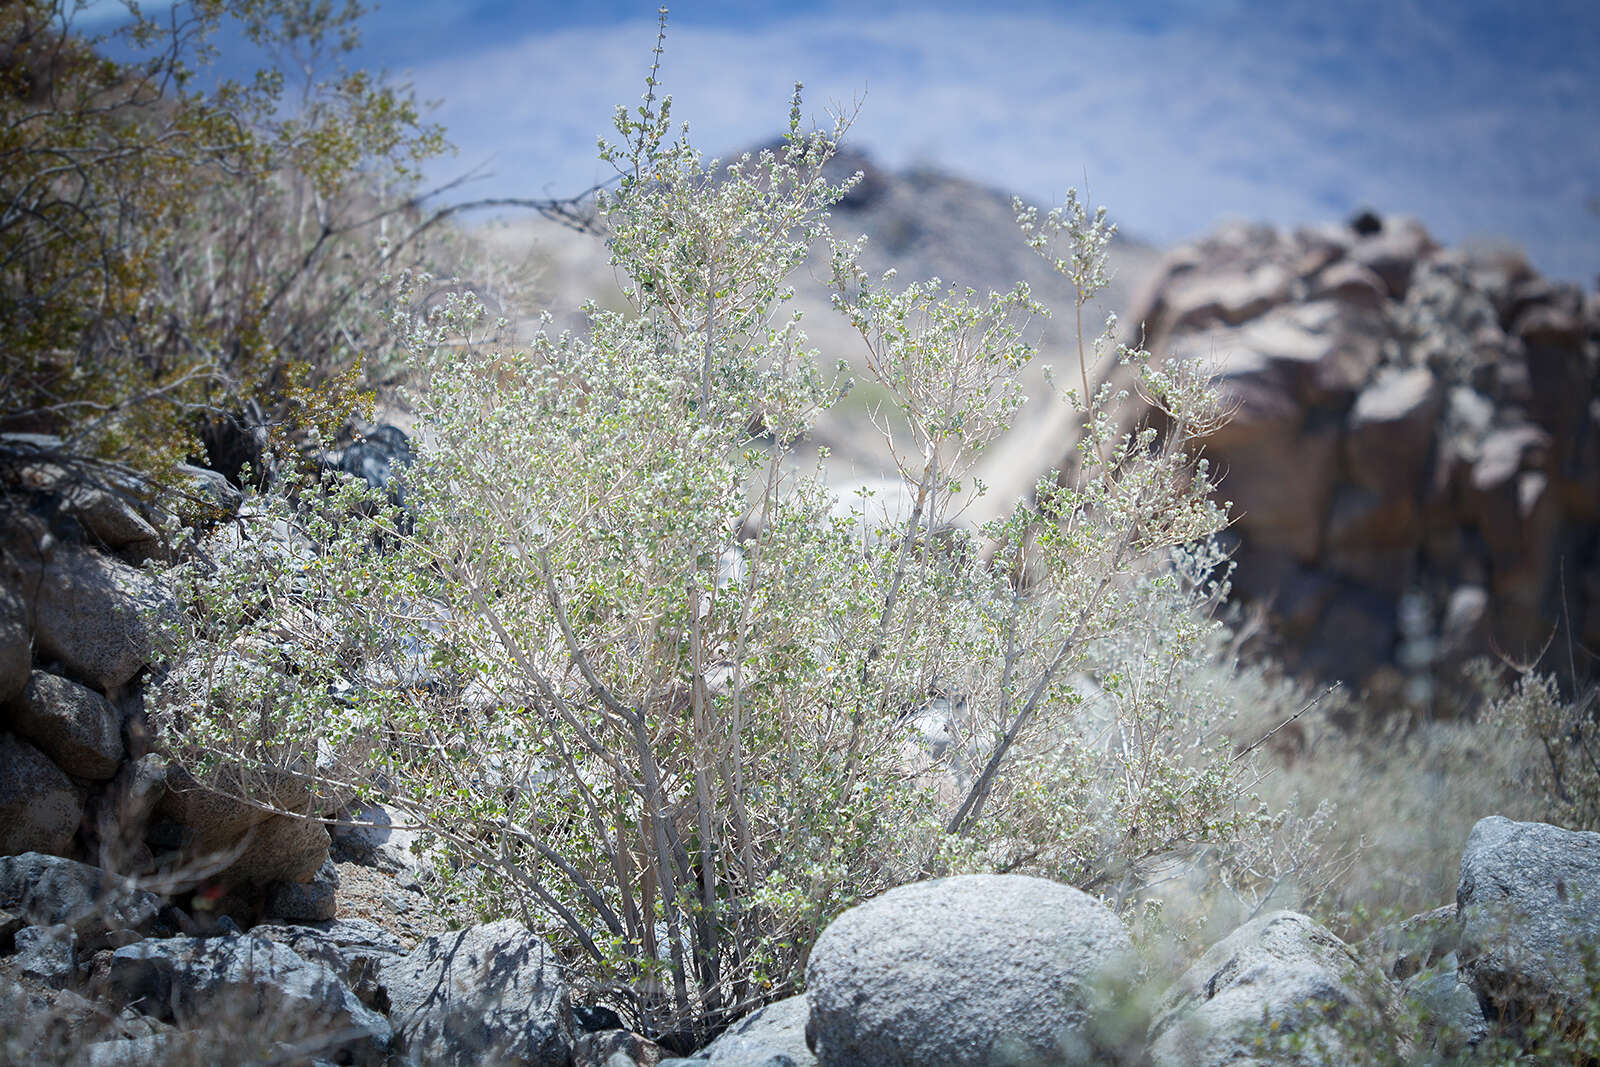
(93, 613)
(16, 643)
(1414, 945)
(976, 969)
(110, 517)
(47, 954)
(49, 890)
(254, 981)
(354, 949)
(1420, 954)
(1529, 906)
(490, 994)
(76, 727)
(1414, 458)
(775, 1036)
(1451, 1019)
(40, 808)
(1281, 975)
(90, 612)
(269, 847)
(312, 901)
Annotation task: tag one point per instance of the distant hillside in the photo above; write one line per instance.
(928, 223)
(924, 223)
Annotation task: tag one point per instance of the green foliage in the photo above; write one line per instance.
(654, 687)
(1405, 795)
(174, 257)
(1529, 710)
(1385, 1025)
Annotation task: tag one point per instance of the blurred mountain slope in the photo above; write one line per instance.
(922, 222)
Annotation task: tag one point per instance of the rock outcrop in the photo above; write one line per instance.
(490, 994)
(354, 949)
(1279, 978)
(994, 970)
(49, 890)
(1414, 451)
(80, 615)
(255, 983)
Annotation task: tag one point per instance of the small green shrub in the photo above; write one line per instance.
(1563, 736)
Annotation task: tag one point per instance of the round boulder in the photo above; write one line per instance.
(75, 726)
(1280, 978)
(1529, 907)
(982, 969)
(97, 615)
(40, 809)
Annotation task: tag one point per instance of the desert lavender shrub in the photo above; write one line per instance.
(646, 684)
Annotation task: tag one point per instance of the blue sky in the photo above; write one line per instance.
(1482, 118)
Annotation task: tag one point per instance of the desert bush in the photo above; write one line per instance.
(1376, 1029)
(181, 255)
(1401, 799)
(1562, 735)
(1403, 794)
(651, 687)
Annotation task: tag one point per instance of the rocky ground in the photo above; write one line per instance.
(971, 970)
(145, 919)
